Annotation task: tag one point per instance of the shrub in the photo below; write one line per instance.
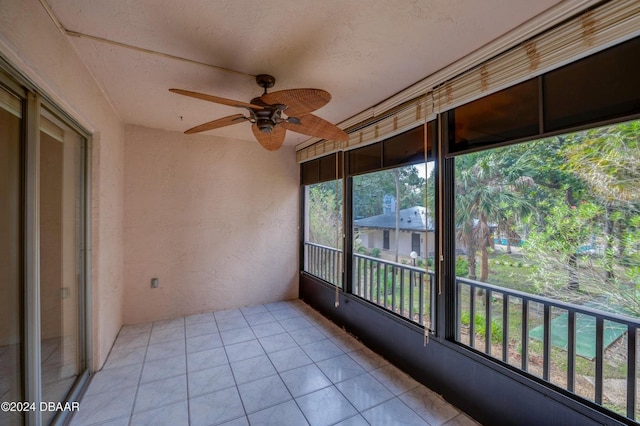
(480, 326)
(462, 267)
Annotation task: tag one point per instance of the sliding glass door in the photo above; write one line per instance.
(60, 192)
(43, 240)
(11, 335)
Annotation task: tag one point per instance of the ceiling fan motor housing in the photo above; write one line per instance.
(268, 117)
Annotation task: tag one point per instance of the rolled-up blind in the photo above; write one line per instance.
(590, 31)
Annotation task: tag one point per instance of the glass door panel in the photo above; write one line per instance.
(10, 276)
(60, 258)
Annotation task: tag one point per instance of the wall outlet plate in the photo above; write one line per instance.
(155, 282)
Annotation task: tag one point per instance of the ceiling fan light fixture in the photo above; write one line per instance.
(265, 125)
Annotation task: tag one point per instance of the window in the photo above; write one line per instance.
(323, 233)
(392, 231)
(548, 240)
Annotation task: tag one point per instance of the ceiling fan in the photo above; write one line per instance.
(272, 114)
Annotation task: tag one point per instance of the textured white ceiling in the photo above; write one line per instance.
(362, 52)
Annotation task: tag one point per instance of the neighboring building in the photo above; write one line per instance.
(416, 232)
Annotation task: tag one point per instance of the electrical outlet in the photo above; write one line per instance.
(65, 292)
(155, 283)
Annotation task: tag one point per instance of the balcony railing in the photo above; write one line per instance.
(396, 287)
(553, 340)
(561, 343)
(402, 289)
(324, 262)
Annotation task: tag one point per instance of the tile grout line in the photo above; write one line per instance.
(135, 397)
(186, 368)
(278, 373)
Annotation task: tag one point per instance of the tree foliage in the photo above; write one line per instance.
(574, 199)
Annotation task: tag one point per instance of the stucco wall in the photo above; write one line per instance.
(216, 220)
(33, 44)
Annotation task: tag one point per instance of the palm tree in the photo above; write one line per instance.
(483, 195)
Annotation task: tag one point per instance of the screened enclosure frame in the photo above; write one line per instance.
(616, 99)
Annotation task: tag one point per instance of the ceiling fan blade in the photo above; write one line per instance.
(215, 124)
(270, 141)
(298, 101)
(312, 125)
(216, 99)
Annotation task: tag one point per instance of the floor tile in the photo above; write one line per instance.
(267, 329)
(204, 342)
(227, 314)
(325, 407)
(263, 393)
(136, 328)
(170, 323)
(285, 414)
(295, 323)
(277, 306)
(303, 380)
(252, 369)
(160, 335)
(125, 356)
(164, 368)
(321, 350)
(259, 318)
(364, 391)
(393, 412)
(240, 421)
(115, 378)
(276, 364)
(340, 368)
(286, 313)
(461, 420)
(199, 318)
(277, 342)
(215, 408)
(161, 392)
(104, 406)
(429, 405)
(255, 309)
(393, 379)
(165, 350)
(201, 328)
(289, 359)
(131, 340)
(232, 323)
(368, 359)
(210, 380)
(354, 421)
(347, 343)
(206, 359)
(168, 415)
(244, 350)
(304, 336)
(229, 337)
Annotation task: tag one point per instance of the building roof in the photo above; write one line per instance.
(411, 219)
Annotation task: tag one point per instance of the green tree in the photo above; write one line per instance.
(483, 193)
(325, 213)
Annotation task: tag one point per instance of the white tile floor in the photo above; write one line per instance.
(275, 364)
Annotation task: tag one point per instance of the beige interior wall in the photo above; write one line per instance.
(215, 220)
(32, 43)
